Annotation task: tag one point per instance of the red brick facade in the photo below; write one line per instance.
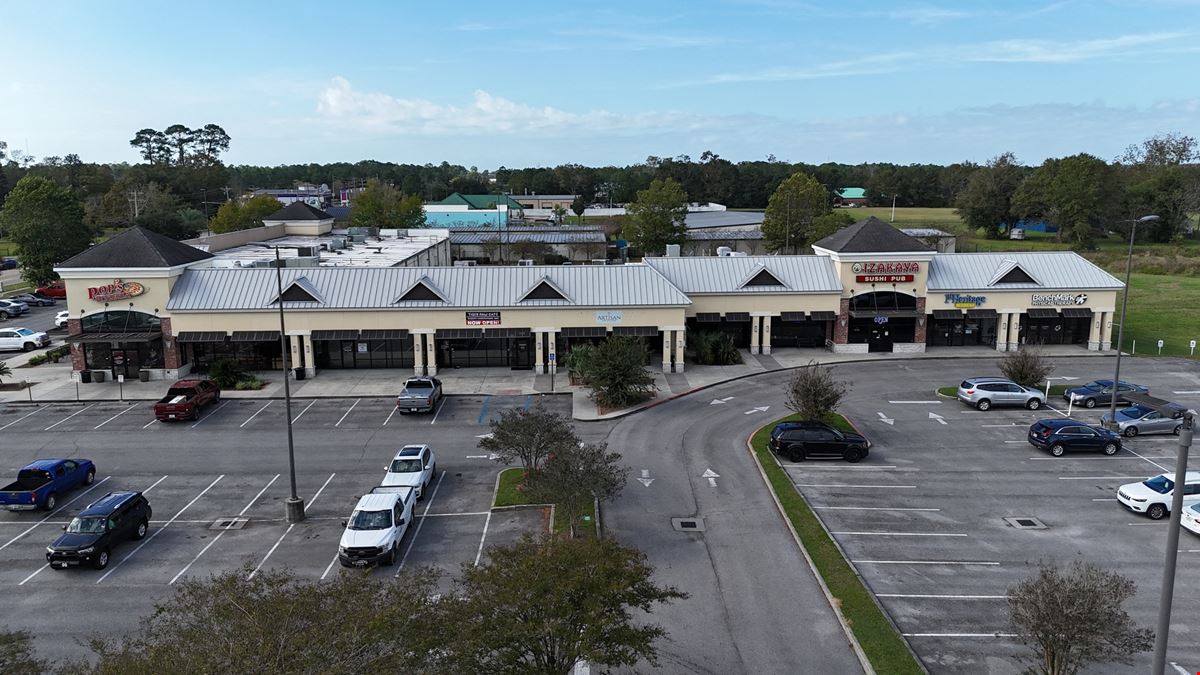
(171, 360)
(922, 322)
(77, 360)
(841, 327)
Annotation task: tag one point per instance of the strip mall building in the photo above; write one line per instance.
(139, 301)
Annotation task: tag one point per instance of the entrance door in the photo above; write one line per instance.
(880, 339)
(125, 362)
(520, 353)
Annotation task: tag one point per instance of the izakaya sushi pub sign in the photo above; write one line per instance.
(885, 272)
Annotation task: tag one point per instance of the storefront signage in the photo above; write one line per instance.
(117, 290)
(965, 301)
(1056, 299)
(886, 267)
(483, 318)
(610, 317)
(883, 278)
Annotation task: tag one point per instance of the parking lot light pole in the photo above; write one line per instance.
(1166, 595)
(1112, 409)
(295, 505)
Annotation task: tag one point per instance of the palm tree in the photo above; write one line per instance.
(4, 369)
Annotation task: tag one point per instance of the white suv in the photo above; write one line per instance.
(414, 467)
(1153, 495)
(22, 339)
(376, 526)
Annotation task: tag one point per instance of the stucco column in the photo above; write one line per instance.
(666, 349)
(539, 356)
(755, 334)
(418, 353)
(1014, 331)
(295, 344)
(430, 354)
(1094, 332)
(1002, 331)
(764, 333)
(551, 351)
(1106, 331)
(841, 326)
(680, 348)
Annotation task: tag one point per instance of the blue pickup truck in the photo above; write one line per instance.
(40, 483)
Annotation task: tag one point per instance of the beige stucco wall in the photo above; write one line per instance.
(851, 286)
(157, 282)
(773, 304)
(1010, 301)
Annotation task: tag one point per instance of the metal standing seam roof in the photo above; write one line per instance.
(727, 274)
(723, 235)
(703, 219)
(510, 236)
(379, 288)
(1059, 270)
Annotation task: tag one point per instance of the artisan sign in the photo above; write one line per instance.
(965, 301)
(483, 318)
(884, 272)
(1057, 299)
(117, 290)
(609, 317)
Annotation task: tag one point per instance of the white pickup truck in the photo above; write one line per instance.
(376, 527)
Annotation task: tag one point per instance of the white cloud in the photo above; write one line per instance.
(867, 65)
(1059, 51)
(922, 15)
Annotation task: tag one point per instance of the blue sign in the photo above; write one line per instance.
(965, 301)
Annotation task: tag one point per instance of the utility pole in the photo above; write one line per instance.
(1167, 591)
(893, 209)
(134, 199)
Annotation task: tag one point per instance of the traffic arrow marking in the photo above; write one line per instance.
(751, 411)
(645, 479)
(886, 420)
(712, 476)
(935, 416)
(484, 436)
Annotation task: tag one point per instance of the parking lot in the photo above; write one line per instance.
(924, 518)
(217, 487)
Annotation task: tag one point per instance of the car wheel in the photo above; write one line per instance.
(391, 556)
(28, 347)
(195, 413)
(3, 316)
(1131, 432)
(1057, 450)
(1110, 449)
(853, 455)
(795, 455)
(1178, 428)
(89, 477)
(984, 404)
(101, 560)
(1089, 403)
(142, 528)
(51, 502)
(216, 398)
(1033, 403)
(1156, 511)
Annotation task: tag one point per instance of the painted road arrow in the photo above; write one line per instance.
(484, 436)
(751, 411)
(719, 401)
(935, 416)
(645, 479)
(712, 476)
(886, 420)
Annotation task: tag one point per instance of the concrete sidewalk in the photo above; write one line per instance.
(53, 382)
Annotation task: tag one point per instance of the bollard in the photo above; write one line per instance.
(1160, 344)
(1133, 349)
(1192, 346)
(29, 388)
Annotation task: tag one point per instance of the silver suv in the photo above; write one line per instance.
(985, 392)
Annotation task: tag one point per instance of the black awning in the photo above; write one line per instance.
(737, 316)
(791, 316)
(507, 332)
(335, 335)
(982, 314)
(384, 334)
(708, 317)
(254, 335)
(890, 313)
(458, 333)
(1042, 313)
(1077, 313)
(584, 331)
(115, 337)
(201, 336)
(822, 316)
(947, 314)
(641, 331)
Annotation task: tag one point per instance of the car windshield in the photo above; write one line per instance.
(407, 465)
(24, 331)
(418, 385)
(1094, 386)
(1160, 484)
(86, 525)
(370, 520)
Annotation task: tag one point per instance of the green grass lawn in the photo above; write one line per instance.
(884, 647)
(1161, 308)
(941, 218)
(509, 494)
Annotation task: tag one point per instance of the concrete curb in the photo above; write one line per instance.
(225, 397)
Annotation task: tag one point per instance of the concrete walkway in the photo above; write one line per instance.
(53, 382)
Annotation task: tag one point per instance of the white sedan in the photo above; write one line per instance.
(1153, 495)
(1190, 518)
(61, 318)
(414, 467)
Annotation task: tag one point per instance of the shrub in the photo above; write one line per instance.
(616, 373)
(578, 362)
(226, 373)
(814, 393)
(1026, 366)
(5, 371)
(248, 383)
(38, 360)
(714, 348)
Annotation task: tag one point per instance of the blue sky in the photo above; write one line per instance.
(545, 83)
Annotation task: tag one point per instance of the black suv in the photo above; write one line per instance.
(801, 440)
(91, 535)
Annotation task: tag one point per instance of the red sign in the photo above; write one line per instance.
(483, 318)
(117, 290)
(886, 267)
(883, 278)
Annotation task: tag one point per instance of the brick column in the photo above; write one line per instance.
(171, 356)
(922, 322)
(77, 358)
(841, 326)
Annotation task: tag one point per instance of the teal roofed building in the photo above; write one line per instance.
(472, 211)
(850, 196)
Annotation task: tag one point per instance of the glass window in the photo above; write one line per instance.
(823, 435)
(86, 525)
(370, 520)
(1160, 484)
(120, 321)
(406, 465)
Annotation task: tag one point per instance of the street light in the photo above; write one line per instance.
(294, 504)
(1167, 592)
(1112, 412)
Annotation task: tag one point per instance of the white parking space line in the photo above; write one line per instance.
(824, 485)
(994, 426)
(1011, 442)
(961, 635)
(222, 532)
(153, 422)
(934, 596)
(1160, 466)
(248, 420)
(115, 416)
(347, 414)
(871, 508)
(437, 412)
(69, 416)
(54, 513)
(389, 417)
(210, 414)
(1100, 477)
(898, 534)
(38, 410)
(432, 496)
(310, 404)
(1104, 499)
(160, 530)
(479, 553)
(290, 527)
(1097, 459)
(451, 515)
(986, 563)
(920, 402)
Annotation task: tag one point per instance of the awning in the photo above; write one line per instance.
(737, 316)
(1042, 313)
(947, 314)
(115, 337)
(385, 334)
(822, 316)
(641, 331)
(584, 331)
(791, 316)
(982, 314)
(708, 317)
(201, 336)
(1077, 313)
(506, 332)
(890, 313)
(458, 333)
(335, 335)
(254, 335)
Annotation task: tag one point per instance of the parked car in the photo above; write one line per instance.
(413, 466)
(375, 528)
(22, 339)
(61, 319)
(8, 263)
(1153, 495)
(1059, 436)
(54, 289)
(1140, 419)
(1190, 518)
(40, 483)
(185, 398)
(35, 300)
(985, 392)
(1101, 392)
(419, 394)
(798, 441)
(12, 308)
(90, 537)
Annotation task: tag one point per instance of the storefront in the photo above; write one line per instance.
(478, 348)
(1045, 326)
(734, 324)
(341, 349)
(804, 330)
(121, 342)
(251, 350)
(882, 318)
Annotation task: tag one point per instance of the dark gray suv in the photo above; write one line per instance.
(985, 392)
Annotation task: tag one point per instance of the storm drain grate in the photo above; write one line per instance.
(688, 524)
(233, 523)
(1025, 523)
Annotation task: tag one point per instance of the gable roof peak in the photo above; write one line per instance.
(299, 210)
(299, 289)
(545, 289)
(137, 247)
(761, 276)
(871, 235)
(422, 290)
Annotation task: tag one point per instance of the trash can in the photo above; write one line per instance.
(299, 373)
(98, 375)
(144, 375)
(85, 376)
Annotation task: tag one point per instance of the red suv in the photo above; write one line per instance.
(54, 289)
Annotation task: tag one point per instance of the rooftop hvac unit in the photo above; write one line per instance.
(358, 238)
(264, 263)
(308, 251)
(304, 261)
(724, 251)
(524, 263)
(464, 263)
(672, 250)
(738, 254)
(599, 261)
(337, 243)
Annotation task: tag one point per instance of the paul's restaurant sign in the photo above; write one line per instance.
(117, 290)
